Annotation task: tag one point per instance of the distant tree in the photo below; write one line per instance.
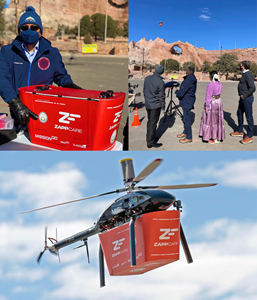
(172, 65)
(189, 63)
(125, 29)
(227, 63)
(205, 67)
(163, 63)
(2, 23)
(85, 25)
(98, 26)
(59, 31)
(66, 30)
(88, 38)
(253, 69)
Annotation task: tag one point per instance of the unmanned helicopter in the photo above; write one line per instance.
(137, 201)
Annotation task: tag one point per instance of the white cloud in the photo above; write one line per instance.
(204, 17)
(17, 273)
(61, 183)
(238, 174)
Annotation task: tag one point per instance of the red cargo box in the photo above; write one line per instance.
(71, 119)
(157, 243)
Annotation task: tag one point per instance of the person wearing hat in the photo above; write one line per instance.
(154, 93)
(186, 96)
(29, 60)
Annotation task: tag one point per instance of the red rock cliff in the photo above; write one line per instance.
(154, 52)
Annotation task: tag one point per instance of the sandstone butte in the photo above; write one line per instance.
(154, 52)
(65, 12)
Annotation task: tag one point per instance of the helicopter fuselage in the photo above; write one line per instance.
(120, 211)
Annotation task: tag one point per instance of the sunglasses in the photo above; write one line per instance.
(32, 27)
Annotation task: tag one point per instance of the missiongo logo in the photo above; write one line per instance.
(47, 138)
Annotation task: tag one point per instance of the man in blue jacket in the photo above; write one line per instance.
(186, 95)
(29, 60)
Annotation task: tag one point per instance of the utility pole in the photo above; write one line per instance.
(195, 55)
(79, 25)
(106, 16)
(40, 8)
(235, 47)
(219, 58)
(165, 58)
(179, 61)
(16, 9)
(143, 61)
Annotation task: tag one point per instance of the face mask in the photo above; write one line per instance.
(29, 37)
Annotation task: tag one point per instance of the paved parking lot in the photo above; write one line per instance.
(167, 131)
(99, 72)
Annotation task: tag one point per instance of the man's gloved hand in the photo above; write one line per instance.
(71, 86)
(21, 111)
(163, 111)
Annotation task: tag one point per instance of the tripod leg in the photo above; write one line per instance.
(168, 111)
(177, 110)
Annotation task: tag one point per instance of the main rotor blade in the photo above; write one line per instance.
(185, 246)
(147, 171)
(62, 203)
(176, 187)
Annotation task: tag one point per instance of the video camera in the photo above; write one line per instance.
(172, 84)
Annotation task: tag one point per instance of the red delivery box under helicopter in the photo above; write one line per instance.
(73, 119)
(157, 238)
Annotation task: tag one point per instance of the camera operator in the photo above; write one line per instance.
(154, 93)
(186, 95)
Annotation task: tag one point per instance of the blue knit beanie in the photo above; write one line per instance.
(30, 17)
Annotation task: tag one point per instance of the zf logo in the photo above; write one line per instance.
(167, 233)
(117, 116)
(67, 117)
(117, 244)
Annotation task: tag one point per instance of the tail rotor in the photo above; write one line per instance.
(46, 247)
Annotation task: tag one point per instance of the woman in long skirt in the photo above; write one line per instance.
(212, 125)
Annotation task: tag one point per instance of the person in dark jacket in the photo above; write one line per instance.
(154, 93)
(29, 60)
(246, 88)
(186, 95)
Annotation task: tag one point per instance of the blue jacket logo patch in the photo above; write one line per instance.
(43, 63)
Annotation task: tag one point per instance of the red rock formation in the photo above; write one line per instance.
(154, 52)
(65, 12)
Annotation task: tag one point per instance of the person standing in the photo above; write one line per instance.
(186, 96)
(246, 88)
(29, 60)
(154, 93)
(212, 125)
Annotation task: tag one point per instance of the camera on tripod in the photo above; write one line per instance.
(172, 84)
(172, 110)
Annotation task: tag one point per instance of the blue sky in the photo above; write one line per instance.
(7, 2)
(220, 224)
(206, 22)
